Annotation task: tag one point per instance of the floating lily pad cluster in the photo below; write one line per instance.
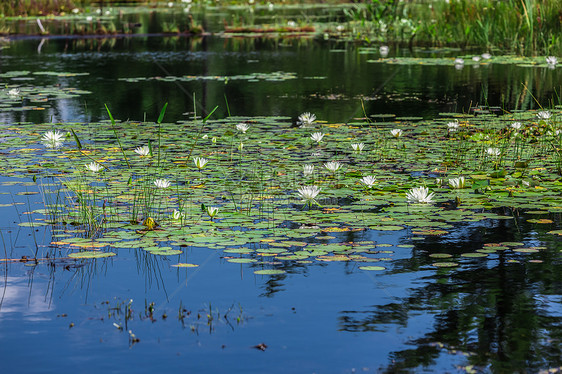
(20, 94)
(137, 186)
(254, 77)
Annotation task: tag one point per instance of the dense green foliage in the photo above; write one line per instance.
(518, 25)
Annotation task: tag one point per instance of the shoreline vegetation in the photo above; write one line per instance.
(526, 27)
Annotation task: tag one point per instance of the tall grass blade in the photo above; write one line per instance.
(160, 118)
(78, 143)
(227, 107)
(116, 136)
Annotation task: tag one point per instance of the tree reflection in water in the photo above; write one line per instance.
(497, 311)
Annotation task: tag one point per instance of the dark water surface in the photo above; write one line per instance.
(499, 315)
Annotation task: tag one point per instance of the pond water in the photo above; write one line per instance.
(137, 312)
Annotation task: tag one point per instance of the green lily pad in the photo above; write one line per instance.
(445, 264)
(91, 254)
(269, 272)
(372, 268)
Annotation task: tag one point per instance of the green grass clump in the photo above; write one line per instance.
(524, 26)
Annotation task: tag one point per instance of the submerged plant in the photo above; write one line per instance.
(420, 195)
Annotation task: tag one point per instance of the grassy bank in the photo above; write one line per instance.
(522, 26)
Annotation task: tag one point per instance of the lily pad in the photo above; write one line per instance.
(91, 254)
(269, 272)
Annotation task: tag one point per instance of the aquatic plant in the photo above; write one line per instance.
(453, 126)
(396, 133)
(143, 150)
(522, 26)
(53, 139)
(457, 183)
(317, 137)
(212, 211)
(358, 147)
(94, 167)
(242, 127)
(308, 194)
(420, 195)
(551, 60)
(306, 119)
(200, 162)
(333, 166)
(544, 115)
(308, 169)
(162, 183)
(368, 181)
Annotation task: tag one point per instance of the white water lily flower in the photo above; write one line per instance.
(14, 92)
(178, 214)
(53, 136)
(94, 166)
(459, 61)
(476, 58)
(317, 137)
(551, 60)
(396, 132)
(308, 169)
(333, 166)
(242, 127)
(457, 183)
(358, 147)
(306, 119)
(493, 151)
(486, 56)
(516, 125)
(453, 126)
(200, 162)
(212, 211)
(52, 139)
(368, 181)
(544, 115)
(383, 50)
(162, 183)
(420, 195)
(143, 151)
(308, 193)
